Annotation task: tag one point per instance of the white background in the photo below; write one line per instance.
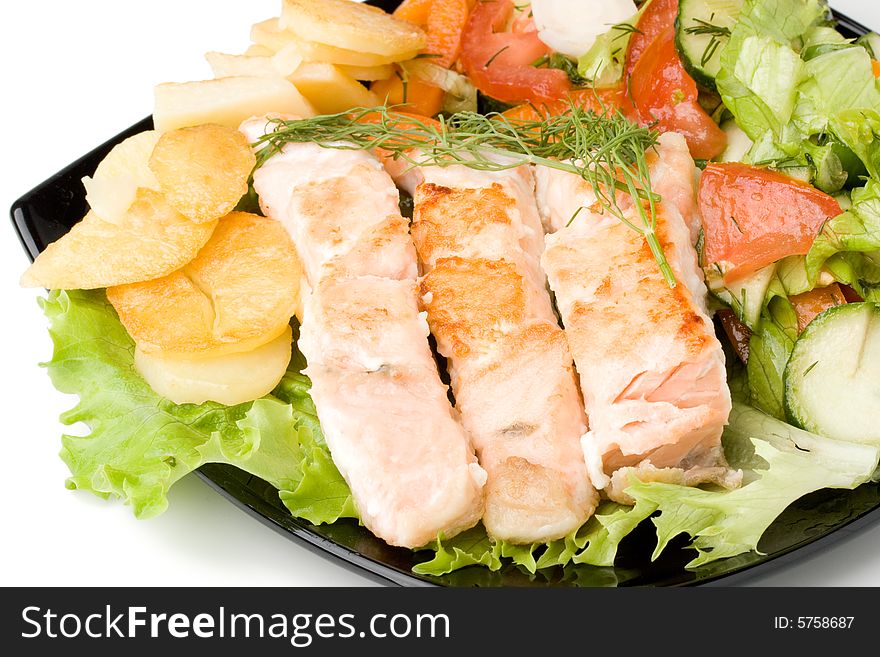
(74, 75)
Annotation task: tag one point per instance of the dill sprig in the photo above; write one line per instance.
(717, 33)
(606, 150)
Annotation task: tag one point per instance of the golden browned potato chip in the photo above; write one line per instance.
(151, 239)
(238, 293)
(351, 25)
(203, 170)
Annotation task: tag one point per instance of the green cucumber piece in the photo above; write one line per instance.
(746, 296)
(702, 30)
(832, 380)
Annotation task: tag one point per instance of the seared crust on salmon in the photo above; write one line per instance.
(478, 237)
(651, 368)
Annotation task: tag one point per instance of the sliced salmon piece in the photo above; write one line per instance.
(651, 369)
(479, 240)
(384, 411)
(674, 177)
(385, 414)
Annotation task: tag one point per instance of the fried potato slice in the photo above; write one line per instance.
(351, 25)
(203, 170)
(238, 293)
(151, 240)
(226, 101)
(269, 34)
(113, 187)
(228, 378)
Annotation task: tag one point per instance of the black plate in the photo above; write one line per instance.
(49, 210)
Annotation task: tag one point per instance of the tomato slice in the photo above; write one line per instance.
(658, 17)
(663, 92)
(500, 63)
(810, 304)
(753, 217)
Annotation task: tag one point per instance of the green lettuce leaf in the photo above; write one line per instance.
(469, 548)
(138, 444)
(848, 246)
(787, 77)
(595, 543)
(603, 64)
(783, 465)
(760, 67)
(836, 81)
(761, 86)
(770, 348)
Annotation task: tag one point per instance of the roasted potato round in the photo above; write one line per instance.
(151, 239)
(228, 378)
(351, 25)
(203, 170)
(238, 293)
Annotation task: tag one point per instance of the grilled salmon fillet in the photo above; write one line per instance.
(384, 411)
(674, 177)
(479, 240)
(651, 369)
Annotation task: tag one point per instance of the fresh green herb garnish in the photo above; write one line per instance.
(492, 58)
(606, 150)
(564, 64)
(717, 33)
(624, 29)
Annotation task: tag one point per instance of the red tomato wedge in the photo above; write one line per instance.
(753, 217)
(810, 304)
(500, 63)
(658, 17)
(663, 92)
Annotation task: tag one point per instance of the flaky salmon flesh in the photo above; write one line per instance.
(631, 381)
(479, 240)
(384, 411)
(651, 369)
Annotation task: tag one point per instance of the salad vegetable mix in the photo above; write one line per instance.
(783, 115)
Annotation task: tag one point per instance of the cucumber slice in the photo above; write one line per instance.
(702, 30)
(745, 297)
(832, 380)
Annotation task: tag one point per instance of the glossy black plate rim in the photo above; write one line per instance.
(36, 226)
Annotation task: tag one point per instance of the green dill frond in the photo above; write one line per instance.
(605, 149)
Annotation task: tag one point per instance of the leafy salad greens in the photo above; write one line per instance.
(808, 101)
